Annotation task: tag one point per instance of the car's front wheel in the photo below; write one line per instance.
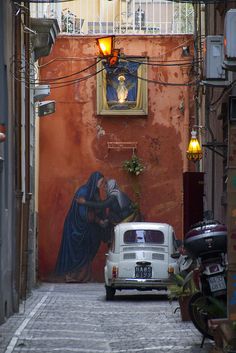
(110, 292)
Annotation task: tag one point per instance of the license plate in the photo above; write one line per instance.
(143, 272)
(217, 283)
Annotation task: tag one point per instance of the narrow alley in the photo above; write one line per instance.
(77, 318)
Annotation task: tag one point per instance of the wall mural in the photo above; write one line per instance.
(90, 221)
(76, 142)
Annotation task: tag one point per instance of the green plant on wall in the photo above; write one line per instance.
(133, 165)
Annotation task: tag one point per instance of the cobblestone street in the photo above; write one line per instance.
(77, 318)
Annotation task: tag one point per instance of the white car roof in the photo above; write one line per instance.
(122, 227)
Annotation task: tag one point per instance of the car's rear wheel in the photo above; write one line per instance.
(110, 292)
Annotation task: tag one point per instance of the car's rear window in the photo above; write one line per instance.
(144, 236)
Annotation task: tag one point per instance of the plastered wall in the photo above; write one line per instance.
(73, 142)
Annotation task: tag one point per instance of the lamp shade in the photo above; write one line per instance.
(105, 45)
(194, 152)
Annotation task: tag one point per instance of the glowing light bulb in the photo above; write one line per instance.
(194, 152)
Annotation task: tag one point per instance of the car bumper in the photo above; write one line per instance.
(138, 283)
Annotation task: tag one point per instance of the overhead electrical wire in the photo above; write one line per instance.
(76, 80)
(67, 83)
(24, 71)
(192, 83)
(80, 79)
(71, 82)
(151, 62)
(225, 91)
(187, 63)
(73, 74)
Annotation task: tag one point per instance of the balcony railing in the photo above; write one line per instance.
(119, 17)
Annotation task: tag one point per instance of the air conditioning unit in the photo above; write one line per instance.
(215, 74)
(230, 40)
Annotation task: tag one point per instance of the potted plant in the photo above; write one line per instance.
(183, 288)
(134, 165)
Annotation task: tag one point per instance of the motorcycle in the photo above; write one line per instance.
(207, 243)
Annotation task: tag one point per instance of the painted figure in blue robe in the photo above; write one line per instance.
(81, 234)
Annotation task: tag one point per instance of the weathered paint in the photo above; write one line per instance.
(73, 141)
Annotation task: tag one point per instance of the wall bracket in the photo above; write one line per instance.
(119, 146)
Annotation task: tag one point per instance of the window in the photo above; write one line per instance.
(144, 236)
(122, 89)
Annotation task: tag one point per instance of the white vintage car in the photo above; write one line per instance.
(140, 257)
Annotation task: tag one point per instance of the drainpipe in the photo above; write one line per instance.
(196, 58)
(18, 181)
(208, 127)
(26, 205)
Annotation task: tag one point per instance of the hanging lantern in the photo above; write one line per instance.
(107, 51)
(105, 45)
(194, 152)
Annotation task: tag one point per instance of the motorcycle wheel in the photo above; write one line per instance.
(199, 315)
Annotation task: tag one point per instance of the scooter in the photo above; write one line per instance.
(207, 243)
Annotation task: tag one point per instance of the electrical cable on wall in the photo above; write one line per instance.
(74, 73)
(192, 83)
(76, 80)
(69, 83)
(149, 63)
(66, 83)
(30, 71)
(223, 93)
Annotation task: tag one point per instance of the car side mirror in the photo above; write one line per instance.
(175, 255)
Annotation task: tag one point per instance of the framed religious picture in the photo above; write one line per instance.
(122, 89)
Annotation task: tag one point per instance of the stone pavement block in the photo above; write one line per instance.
(76, 318)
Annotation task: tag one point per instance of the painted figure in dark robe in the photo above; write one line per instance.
(81, 234)
(118, 206)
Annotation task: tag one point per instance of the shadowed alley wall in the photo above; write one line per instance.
(74, 140)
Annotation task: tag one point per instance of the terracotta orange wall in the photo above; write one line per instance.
(73, 140)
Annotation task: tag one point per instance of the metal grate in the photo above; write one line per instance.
(92, 17)
(156, 256)
(143, 248)
(129, 256)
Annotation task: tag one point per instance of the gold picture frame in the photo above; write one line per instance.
(122, 89)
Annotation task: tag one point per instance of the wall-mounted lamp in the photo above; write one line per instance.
(46, 108)
(194, 152)
(107, 51)
(185, 51)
